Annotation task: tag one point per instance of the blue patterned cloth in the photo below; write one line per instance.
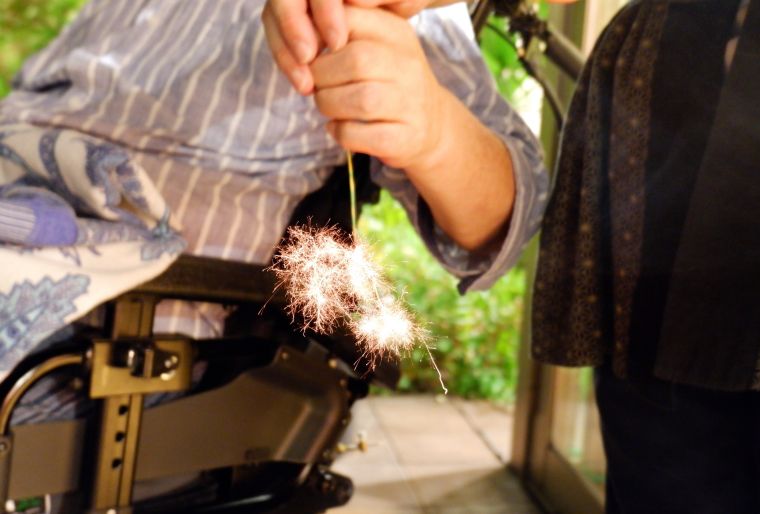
(79, 224)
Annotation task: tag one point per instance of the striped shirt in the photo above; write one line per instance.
(189, 88)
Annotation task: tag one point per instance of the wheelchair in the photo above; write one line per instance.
(257, 432)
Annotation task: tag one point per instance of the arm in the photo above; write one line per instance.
(383, 99)
(453, 55)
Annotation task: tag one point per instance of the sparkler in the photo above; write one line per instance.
(330, 277)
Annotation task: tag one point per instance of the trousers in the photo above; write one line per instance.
(676, 449)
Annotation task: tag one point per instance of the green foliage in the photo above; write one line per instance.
(501, 58)
(25, 27)
(474, 337)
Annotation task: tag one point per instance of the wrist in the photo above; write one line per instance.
(440, 138)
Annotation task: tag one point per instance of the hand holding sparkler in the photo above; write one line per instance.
(383, 99)
(379, 92)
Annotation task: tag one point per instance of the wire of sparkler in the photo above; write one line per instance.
(440, 375)
(352, 193)
(352, 190)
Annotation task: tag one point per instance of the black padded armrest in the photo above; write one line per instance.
(214, 280)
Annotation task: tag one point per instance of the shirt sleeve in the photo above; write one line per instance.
(446, 36)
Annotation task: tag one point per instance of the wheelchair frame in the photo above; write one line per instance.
(301, 383)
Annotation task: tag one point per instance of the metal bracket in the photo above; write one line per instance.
(140, 367)
(123, 370)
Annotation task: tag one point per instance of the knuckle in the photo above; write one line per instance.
(358, 60)
(405, 8)
(384, 141)
(366, 100)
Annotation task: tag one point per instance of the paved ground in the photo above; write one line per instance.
(428, 455)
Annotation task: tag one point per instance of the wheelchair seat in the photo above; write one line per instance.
(256, 433)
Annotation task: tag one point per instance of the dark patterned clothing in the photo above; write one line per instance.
(622, 213)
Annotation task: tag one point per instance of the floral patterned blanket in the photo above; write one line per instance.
(79, 224)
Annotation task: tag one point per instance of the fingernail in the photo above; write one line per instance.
(303, 51)
(299, 78)
(296, 77)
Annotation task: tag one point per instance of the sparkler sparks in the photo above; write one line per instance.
(329, 278)
(314, 268)
(387, 327)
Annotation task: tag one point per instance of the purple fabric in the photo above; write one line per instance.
(54, 223)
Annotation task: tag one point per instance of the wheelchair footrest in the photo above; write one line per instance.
(321, 490)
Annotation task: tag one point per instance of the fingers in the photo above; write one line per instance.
(295, 40)
(330, 19)
(290, 21)
(359, 60)
(364, 101)
(379, 139)
(298, 74)
(377, 25)
(376, 41)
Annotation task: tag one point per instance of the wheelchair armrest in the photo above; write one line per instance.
(214, 280)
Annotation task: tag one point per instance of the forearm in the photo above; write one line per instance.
(467, 180)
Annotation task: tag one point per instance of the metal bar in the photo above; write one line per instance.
(114, 475)
(26, 381)
(129, 465)
(121, 416)
(9, 403)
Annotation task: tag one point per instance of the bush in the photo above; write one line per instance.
(25, 27)
(474, 337)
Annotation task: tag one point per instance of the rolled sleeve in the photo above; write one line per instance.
(455, 59)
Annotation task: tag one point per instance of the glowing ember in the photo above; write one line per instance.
(387, 327)
(330, 278)
(312, 266)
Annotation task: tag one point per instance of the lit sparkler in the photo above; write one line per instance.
(329, 278)
(384, 326)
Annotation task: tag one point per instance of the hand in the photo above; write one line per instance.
(297, 30)
(382, 99)
(379, 92)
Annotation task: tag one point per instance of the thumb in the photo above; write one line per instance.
(375, 24)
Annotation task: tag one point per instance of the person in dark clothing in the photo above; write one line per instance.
(647, 266)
